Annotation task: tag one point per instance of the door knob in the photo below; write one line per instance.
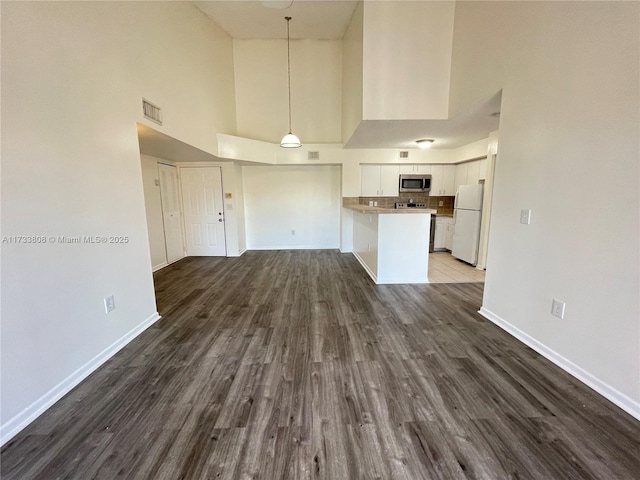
(219, 219)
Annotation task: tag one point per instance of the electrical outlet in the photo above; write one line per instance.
(525, 216)
(293, 232)
(557, 308)
(109, 304)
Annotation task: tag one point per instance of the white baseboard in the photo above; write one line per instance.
(239, 254)
(9, 429)
(159, 267)
(293, 247)
(366, 267)
(627, 404)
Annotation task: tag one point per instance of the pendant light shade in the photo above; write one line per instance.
(289, 140)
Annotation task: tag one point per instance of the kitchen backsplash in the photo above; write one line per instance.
(389, 202)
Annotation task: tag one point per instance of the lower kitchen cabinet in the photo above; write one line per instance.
(448, 240)
(439, 237)
(443, 239)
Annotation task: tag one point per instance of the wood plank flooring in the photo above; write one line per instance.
(294, 365)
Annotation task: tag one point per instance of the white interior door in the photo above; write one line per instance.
(203, 212)
(171, 217)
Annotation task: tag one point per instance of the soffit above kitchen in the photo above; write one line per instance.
(316, 20)
(470, 125)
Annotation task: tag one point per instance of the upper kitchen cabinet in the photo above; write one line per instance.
(379, 180)
(461, 175)
(473, 172)
(470, 173)
(443, 180)
(417, 168)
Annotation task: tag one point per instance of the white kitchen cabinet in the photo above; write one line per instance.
(370, 180)
(389, 180)
(473, 172)
(442, 180)
(448, 241)
(439, 238)
(379, 180)
(469, 173)
(436, 181)
(415, 168)
(448, 180)
(461, 175)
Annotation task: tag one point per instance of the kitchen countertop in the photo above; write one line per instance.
(367, 209)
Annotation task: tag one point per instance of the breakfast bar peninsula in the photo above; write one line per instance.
(392, 245)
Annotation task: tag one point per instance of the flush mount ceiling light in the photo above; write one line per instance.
(289, 140)
(425, 143)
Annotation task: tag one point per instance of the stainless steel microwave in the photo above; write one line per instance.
(415, 183)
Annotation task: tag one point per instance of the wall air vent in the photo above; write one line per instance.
(151, 112)
(404, 154)
(313, 156)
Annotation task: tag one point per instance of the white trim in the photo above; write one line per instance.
(626, 403)
(366, 267)
(235, 255)
(165, 264)
(293, 247)
(160, 267)
(37, 408)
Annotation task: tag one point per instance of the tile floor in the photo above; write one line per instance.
(445, 268)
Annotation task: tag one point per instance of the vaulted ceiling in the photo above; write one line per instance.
(328, 20)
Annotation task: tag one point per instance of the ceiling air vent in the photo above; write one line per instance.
(313, 156)
(151, 111)
(404, 154)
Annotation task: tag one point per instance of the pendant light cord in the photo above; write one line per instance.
(289, 69)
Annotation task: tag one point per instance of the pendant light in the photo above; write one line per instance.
(289, 140)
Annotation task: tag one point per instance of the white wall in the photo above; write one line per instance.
(280, 199)
(261, 89)
(470, 151)
(569, 149)
(352, 61)
(73, 75)
(153, 211)
(407, 59)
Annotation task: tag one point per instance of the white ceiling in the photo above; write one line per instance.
(310, 19)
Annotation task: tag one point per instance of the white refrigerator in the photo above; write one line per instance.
(466, 219)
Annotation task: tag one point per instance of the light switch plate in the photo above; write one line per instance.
(525, 216)
(557, 308)
(109, 304)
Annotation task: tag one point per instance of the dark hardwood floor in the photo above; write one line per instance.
(294, 365)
